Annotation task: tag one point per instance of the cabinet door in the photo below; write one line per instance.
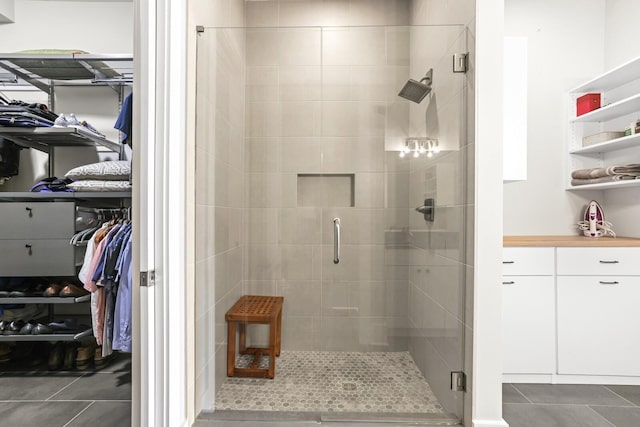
(528, 325)
(598, 325)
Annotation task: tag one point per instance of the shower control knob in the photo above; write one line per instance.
(428, 209)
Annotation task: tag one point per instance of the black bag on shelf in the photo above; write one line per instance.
(9, 158)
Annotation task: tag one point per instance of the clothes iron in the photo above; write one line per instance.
(593, 223)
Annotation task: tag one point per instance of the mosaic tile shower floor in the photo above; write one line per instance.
(332, 381)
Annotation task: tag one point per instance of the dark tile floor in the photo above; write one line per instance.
(561, 405)
(38, 397)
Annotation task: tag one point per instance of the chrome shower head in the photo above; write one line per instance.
(416, 90)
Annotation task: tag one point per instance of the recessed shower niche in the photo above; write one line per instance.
(330, 190)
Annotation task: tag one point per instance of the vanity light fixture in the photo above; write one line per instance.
(420, 146)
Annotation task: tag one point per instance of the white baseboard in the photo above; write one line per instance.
(490, 423)
(570, 379)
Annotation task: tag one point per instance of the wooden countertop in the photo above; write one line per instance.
(569, 241)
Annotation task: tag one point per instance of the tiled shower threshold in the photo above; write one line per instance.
(302, 419)
(336, 388)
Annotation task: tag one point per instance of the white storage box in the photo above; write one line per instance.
(601, 137)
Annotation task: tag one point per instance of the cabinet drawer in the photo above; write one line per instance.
(598, 261)
(38, 220)
(53, 257)
(598, 325)
(527, 261)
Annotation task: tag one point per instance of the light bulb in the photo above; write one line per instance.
(402, 153)
(430, 154)
(416, 154)
(422, 149)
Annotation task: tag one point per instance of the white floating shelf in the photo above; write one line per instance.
(610, 145)
(607, 185)
(617, 77)
(611, 111)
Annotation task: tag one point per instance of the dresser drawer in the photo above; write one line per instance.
(527, 261)
(53, 257)
(40, 220)
(598, 261)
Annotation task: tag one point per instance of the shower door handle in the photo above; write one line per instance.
(336, 240)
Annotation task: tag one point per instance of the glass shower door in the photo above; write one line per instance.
(298, 127)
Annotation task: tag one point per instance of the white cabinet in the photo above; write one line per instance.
(528, 311)
(528, 326)
(598, 324)
(598, 318)
(620, 100)
(570, 314)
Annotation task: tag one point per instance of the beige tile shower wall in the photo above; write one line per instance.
(219, 200)
(441, 273)
(323, 100)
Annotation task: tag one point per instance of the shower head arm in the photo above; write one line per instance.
(428, 77)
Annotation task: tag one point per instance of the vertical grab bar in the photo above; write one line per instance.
(336, 240)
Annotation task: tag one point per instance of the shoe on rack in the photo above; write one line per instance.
(17, 294)
(61, 122)
(101, 362)
(27, 329)
(53, 290)
(3, 325)
(92, 129)
(72, 120)
(71, 352)
(41, 329)
(14, 327)
(65, 325)
(38, 289)
(71, 290)
(56, 356)
(85, 355)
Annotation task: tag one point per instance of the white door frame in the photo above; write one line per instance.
(159, 373)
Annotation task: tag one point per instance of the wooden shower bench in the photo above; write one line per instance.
(254, 309)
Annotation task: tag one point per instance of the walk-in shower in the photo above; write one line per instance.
(415, 91)
(298, 127)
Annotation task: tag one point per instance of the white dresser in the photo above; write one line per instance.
(571, 310)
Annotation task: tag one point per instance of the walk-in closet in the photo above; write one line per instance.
(66, 79)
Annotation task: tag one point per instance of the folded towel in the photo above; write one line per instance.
(632, 170)
(611, 178)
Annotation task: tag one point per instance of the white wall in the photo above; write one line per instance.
(619, 32)
(566, 47)
(617, 50)
(95, 27)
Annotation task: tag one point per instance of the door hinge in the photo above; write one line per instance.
(458, 381)
(147, 278)
(460, 62)
(199, 28)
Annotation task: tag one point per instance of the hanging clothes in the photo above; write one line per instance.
(122, 316)
(125, 118)
(106, 273)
